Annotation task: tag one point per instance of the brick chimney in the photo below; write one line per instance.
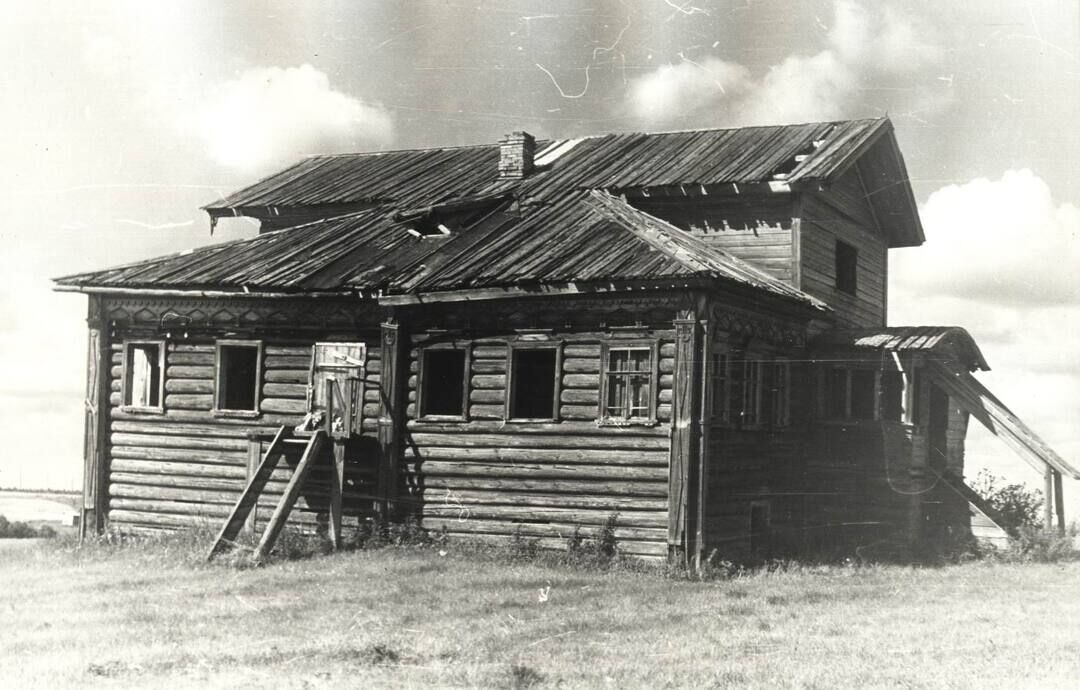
(516, 152)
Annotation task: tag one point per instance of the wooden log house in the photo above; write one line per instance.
(684, 329)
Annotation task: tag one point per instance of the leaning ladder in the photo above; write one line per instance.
(255, 486)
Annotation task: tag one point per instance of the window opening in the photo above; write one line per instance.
(238, 376)
(533, 384)
(144, 381)
(443, 387)
(846, 261)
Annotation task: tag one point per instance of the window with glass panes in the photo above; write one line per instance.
(751, 392)
(720, 385)
(629, 383)
(780, 393)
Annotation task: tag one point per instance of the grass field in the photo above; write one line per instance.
(153, 616)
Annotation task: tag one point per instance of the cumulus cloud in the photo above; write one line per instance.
(1009, 237)
(884, 49)
(270, 115)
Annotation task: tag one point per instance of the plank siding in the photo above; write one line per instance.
(489, 479)
(187, 466)
(756, 229)
(843, 213)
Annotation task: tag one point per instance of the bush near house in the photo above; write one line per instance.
(1017, 505)
(21, 530)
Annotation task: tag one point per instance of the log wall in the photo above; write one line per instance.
(187, 466)
(488, 478)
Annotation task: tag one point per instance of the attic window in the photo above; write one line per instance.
(847, 258)
(429, 228)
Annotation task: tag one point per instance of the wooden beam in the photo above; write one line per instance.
(683, 471)
(391, 411)
(1048, 499)
(1059, 501)
(96, 420)
(292, 492)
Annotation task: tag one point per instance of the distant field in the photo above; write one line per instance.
(156, 617)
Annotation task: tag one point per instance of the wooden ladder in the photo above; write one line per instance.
(255, 486)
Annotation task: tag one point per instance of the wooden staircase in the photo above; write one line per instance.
(313, 447)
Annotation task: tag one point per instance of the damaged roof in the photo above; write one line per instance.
(420, 177)
(584, 237)
(953, 341)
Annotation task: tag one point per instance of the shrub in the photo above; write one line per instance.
(1040, 545)
(21, 530)
(1016, 505)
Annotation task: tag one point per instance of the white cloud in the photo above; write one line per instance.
(885, 50)
(997, 241)
(682, 87)
(271, 115)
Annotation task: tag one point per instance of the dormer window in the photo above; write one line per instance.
(429, 229)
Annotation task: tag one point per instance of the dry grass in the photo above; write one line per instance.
(153, 616)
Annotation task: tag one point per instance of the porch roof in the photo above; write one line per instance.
(951, 343)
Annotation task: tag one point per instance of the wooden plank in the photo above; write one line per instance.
(190, 469)
(95, 421)
(470, 511)
(605, 503)
(220, 457)
(627, 473)
(568, 486)
(166, 441)
(515, 438)
(391, 412)
(288, 499)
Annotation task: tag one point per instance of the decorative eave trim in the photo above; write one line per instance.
(231, 294)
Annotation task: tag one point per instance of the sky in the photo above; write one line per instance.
(118, 120)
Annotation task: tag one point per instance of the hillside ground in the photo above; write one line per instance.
(157, 616)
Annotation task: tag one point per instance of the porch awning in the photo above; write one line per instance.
(950, 343)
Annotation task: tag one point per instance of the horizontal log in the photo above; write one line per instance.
(189, 386)
(577, 412)
(206, 417)
(492, 381)
(480, 352)
(189, 372)
(590, 487)
(580, 397)
(285, 390)
(180, 455)
(588, 381)
(182, 401)
(600, 438)
(162, 519)
(116, 371)
(200, 483)
(174, 441)
(665, 395)
(627, 473)
(584, 350)
(663, 412)
(490, 397)
(287, 376)
(489, 366)
(473, 511)
(115, 385)
(190, 358)
(288, 351)
(657, 458)
(187, 469)
(283, 406)
(191, 347)
(287, 362)
(580, 366)
(371, 411)
(209, 510)
(540, 529)
(667, 365)
(487, 411)
(607, 504)
(666, 381)
(173, 493)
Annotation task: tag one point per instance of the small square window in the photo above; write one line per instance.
(534, 383)
(629, 384)
(847, 259)
(442, 385)
(144, 375)
(238, 364)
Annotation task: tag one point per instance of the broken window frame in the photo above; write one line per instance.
(423, 376)
(513, 348)
(128, 372)
(650, 374)
(221, 378)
